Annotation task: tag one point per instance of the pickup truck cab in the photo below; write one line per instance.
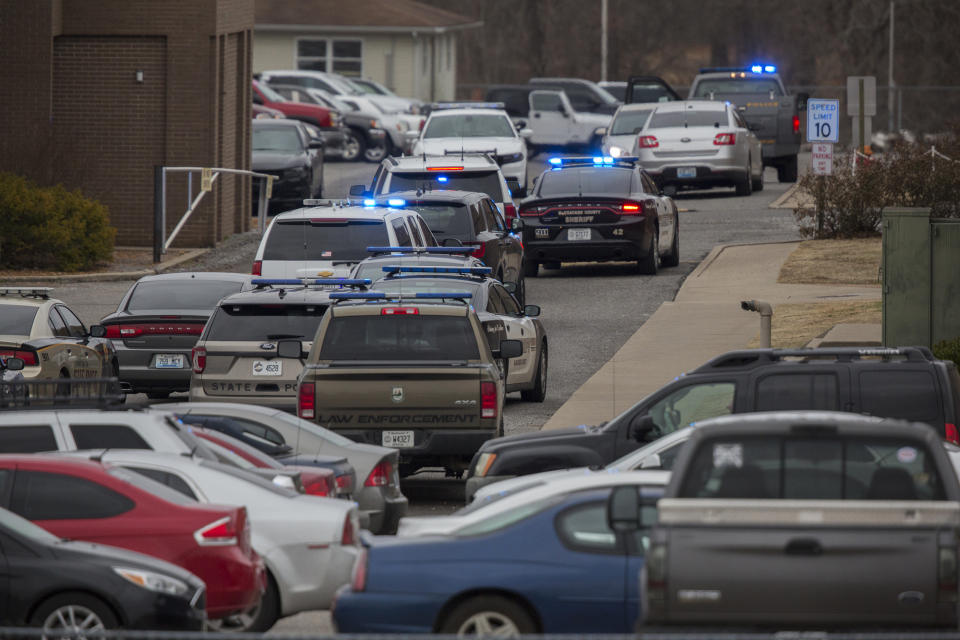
(806, 519)
(411, 372)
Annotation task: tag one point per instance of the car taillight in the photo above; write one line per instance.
(344, 484)
(631, 209)
(725, 139)
(348, 536)
(220, 533)
(648, 142)
(306, 400)
(509, 212)
(488, 400)
(318, 487)
(399, 311)
(358, 581)
(121, 331)
(796, 124)
(381, 475)
(257, 269)
(481, 248)
(530, 211)
(29, 357)
(950, 433)
(198, 356)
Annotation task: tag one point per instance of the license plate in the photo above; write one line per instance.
(578, 234)
(687, 172)
(398, 439)
(169, 361)
(268, 367)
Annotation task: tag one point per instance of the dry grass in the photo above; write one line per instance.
(794, 325)
(833, 262)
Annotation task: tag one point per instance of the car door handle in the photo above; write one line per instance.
(803, 547)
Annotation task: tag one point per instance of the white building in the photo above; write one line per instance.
(408, 46)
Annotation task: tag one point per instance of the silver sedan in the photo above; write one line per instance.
(700, 143)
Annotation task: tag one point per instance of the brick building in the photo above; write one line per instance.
(98, 93)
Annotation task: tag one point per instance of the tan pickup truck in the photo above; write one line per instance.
(415, 373)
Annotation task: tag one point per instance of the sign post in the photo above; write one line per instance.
(861, 106)
(823, 130)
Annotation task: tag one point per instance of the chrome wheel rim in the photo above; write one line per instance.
(71, 621)
(351, 148)
(375, 154)
(490, 624)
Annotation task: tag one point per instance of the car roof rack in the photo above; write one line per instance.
(42, 293)
(558, 162)
(747, 358)
(262, 283)
(380, 296)
(421, 250)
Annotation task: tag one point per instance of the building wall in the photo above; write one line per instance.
(83, 119)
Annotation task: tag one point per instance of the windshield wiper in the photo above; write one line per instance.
(281, 336)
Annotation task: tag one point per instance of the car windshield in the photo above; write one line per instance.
(486, 182)
(145, 483)
(400, 337)
(726, 86)
(418, 284)
(21, 526)
(276, 139)
(688, 118)
(617, 91)
(469, 126)
(629, 122)
(650, 92)
(602, 180)
(336, 239)
(16, 319)
(193, 295)
(450, 220)
(370, 87)
(271, 95)
(263, 323)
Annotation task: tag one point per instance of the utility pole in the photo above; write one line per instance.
(890, 90)
(603, 39)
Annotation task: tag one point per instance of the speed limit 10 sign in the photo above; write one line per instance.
(823, 120)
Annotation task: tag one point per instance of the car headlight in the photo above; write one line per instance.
(615, 152)
(153, 581)
(484, 462)
(294, 174)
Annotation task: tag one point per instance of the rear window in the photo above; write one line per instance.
(198, 295)
(647, 92)
(688, 118)
(469, 126)
(724, 86)
(145, 483)
(909, 395)
(344, 241)
(406, 284)
(447, 220)
(254, 322)
(16, 319)
(629, 122)
(798, 468)
(607, 181)
(487, 182)
(400, 337)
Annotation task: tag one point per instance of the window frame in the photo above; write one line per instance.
(619, 547)
(128, 503)
(328, 59)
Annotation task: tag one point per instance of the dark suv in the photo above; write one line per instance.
(473, 220)
(906, 382)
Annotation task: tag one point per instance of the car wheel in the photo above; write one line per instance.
(539, 390)
(530, 268)
(673, 258)
(73, 614)
(488, 616)
(745, 185)
(649, 263)
(758, 181)
(787, 171)
(259, 617)
(353, 146)
(375, 154)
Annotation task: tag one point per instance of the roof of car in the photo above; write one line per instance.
(426, 307)
(639, 106)
(287, 294)
(700, 105)
(197, 275)
(336, 211)
(468, 111)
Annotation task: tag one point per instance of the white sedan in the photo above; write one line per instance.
(309, 544)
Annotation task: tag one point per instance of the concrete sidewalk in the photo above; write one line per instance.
(704, 320)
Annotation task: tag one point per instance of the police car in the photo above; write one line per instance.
(598, 209)
(51, 340)
(455, 127)
(527, 373)
(372, 267)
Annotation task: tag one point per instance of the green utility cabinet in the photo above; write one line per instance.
(921, 278)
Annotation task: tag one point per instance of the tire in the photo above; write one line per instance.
(758, 181)
(539, 391)
(375, 154)
(530, 269)
(487, 616)
(649, 264)
(261, 617)
(787, 171)
(353, 147)
(81, 612)
(673, 258)
(745, 184)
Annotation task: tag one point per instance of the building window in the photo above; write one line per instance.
(337, 56)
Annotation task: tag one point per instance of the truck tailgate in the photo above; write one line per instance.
(821, 562)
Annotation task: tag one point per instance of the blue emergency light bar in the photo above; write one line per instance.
(597, 161)
(379, 295)
(369, 202)
(397, 202)
(753, 68)
(342, 282)
(475, 271)
(440, 106)
(436, 250)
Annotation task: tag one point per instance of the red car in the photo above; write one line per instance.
(312, 113)
(83, 500)
(316, 481)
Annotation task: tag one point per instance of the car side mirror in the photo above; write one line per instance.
(316, 143)
(531, 310)
(640, 427)
(14, 364)
(520, 124)
(526, 133)
(290, 349)
(651, 462)
(97, 331)
(802, 99)
(510, 349)
(451, 242)
(516, 224)
(359, 190)
(623, 509)
(600, 131)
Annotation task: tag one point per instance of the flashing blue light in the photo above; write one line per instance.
(770, 69)
(369, 202)
(555, 161)
(756, 69)
(598, 160)
(443, 179)
(396, 202)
